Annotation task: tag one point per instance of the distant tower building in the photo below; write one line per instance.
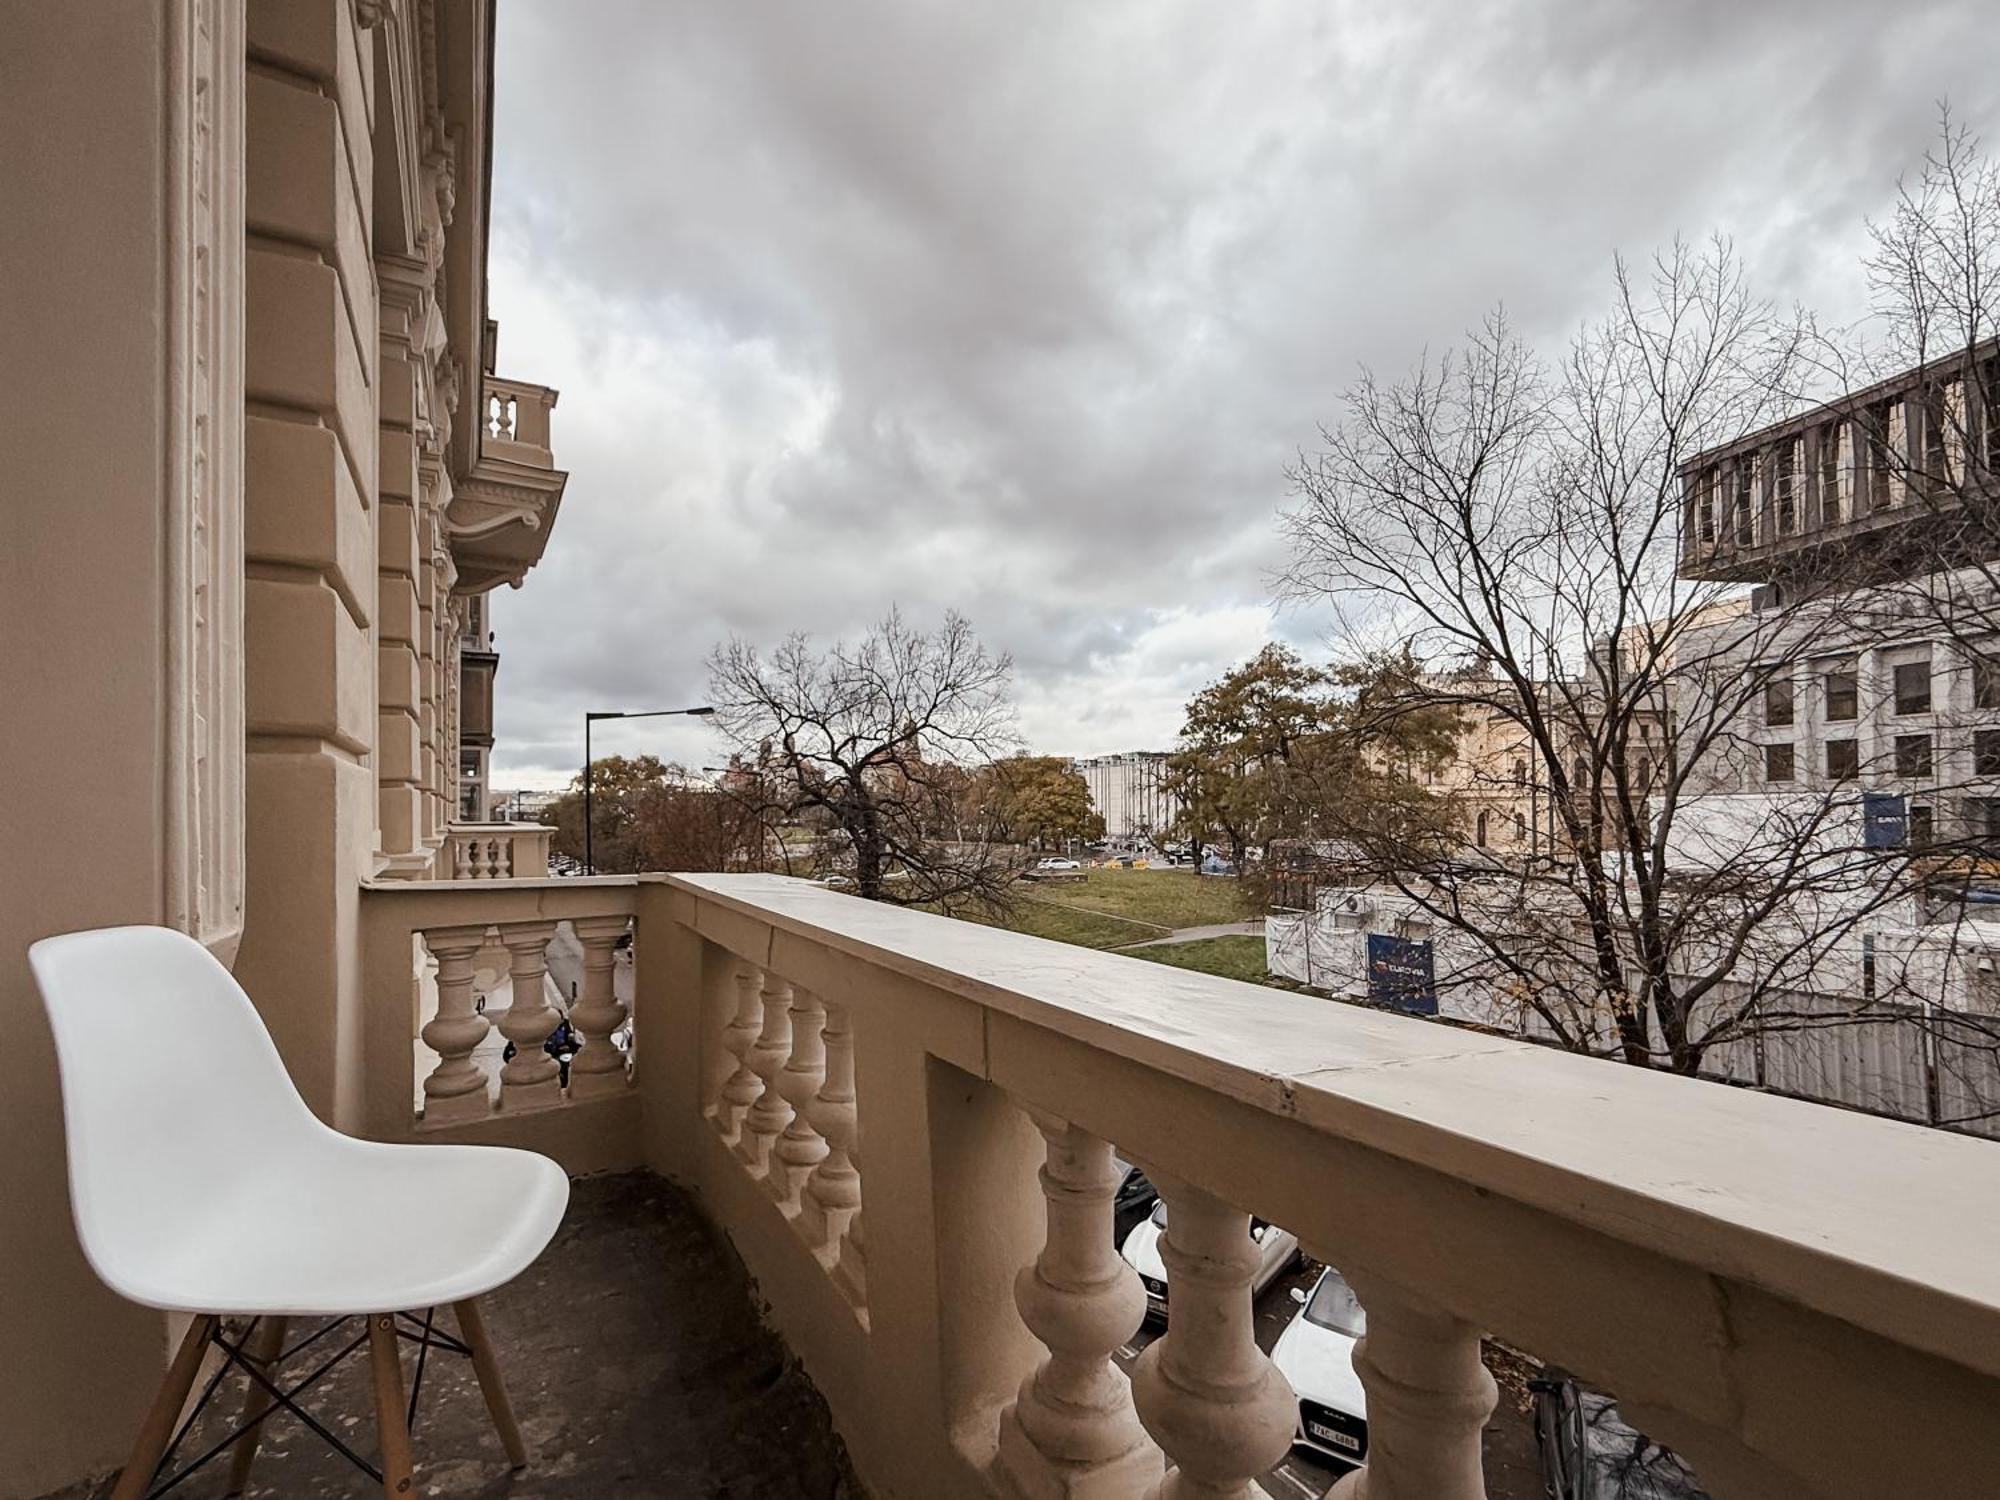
(1129, 792)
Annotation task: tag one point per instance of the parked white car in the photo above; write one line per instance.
(1058, 864)
(1278, 1248)
(1316, 1354)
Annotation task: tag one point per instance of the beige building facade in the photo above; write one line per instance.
(251, 384)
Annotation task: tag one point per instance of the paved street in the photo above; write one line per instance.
(1252, 928)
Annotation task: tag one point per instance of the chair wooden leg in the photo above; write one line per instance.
(166, 1409)
(257, 1402)
(473, 1326)
(391, 1417)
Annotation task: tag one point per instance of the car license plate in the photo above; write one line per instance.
(1332, 1438)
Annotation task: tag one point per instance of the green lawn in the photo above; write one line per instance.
(1230, 957)
(1113, 908)
(1088, 929)
(1164, 898)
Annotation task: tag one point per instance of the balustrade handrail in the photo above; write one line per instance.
(1751, 1184)
(1761, 1281)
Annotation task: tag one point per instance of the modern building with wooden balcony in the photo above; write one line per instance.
(258, 462)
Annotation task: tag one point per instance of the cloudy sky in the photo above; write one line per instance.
(1021, 309)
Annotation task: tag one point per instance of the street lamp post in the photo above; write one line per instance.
(590, 718)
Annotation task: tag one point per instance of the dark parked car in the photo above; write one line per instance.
(1590, 1453)
(1136, 1197)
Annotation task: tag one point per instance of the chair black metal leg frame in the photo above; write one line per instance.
(427, 1336)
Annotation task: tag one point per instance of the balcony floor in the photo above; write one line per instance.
(637, 1365)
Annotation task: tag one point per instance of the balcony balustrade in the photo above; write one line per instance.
(516, 421)
(1803, 1301)
(497, 851)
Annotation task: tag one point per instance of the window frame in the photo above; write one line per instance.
(1896, 670)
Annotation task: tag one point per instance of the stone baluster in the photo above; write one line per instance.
(492, 848)
(1208, 1395)
(833, 1192)
(850, 1266)
(1073, 1433)
(1429, 1395)
(456, 1087)
(738, 1088)
(532, 1078)
(800, 1148)
(461, 859)
(600, 1067)
(503, 857)
(769, 1113)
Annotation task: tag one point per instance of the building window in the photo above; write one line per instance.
(1843, 693)
(1479, 833)
(1777, 762)
(1986, 752)
(1520, 773)
(1705, 506)
(1520, 828)
(1787, 496)
(1913, 687)
(1868, 965)
(1921, 827)
(1843, 759)
(1832, 482)
(1744, 501)
(1777, 701)
(1913, 755)
(1982, 817)
(1986, 675)
(1891, 447)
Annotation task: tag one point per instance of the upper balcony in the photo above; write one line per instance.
(503, 509)
(1804, 1302)
(1890, 465)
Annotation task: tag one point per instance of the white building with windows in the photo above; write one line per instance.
(1130, 792)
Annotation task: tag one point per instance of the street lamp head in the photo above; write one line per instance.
(592, 715)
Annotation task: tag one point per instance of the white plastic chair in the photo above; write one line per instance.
(201, 1183)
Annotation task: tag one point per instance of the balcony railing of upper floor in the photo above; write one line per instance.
(515, 421)
(496, 851)
(907, 1126)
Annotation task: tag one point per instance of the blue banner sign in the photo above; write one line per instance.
(1884, 821)
(1401, 973)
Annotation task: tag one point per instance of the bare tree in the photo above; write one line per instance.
(1521, 524)
(870, 741)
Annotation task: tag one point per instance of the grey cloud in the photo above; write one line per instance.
(1022, 309)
